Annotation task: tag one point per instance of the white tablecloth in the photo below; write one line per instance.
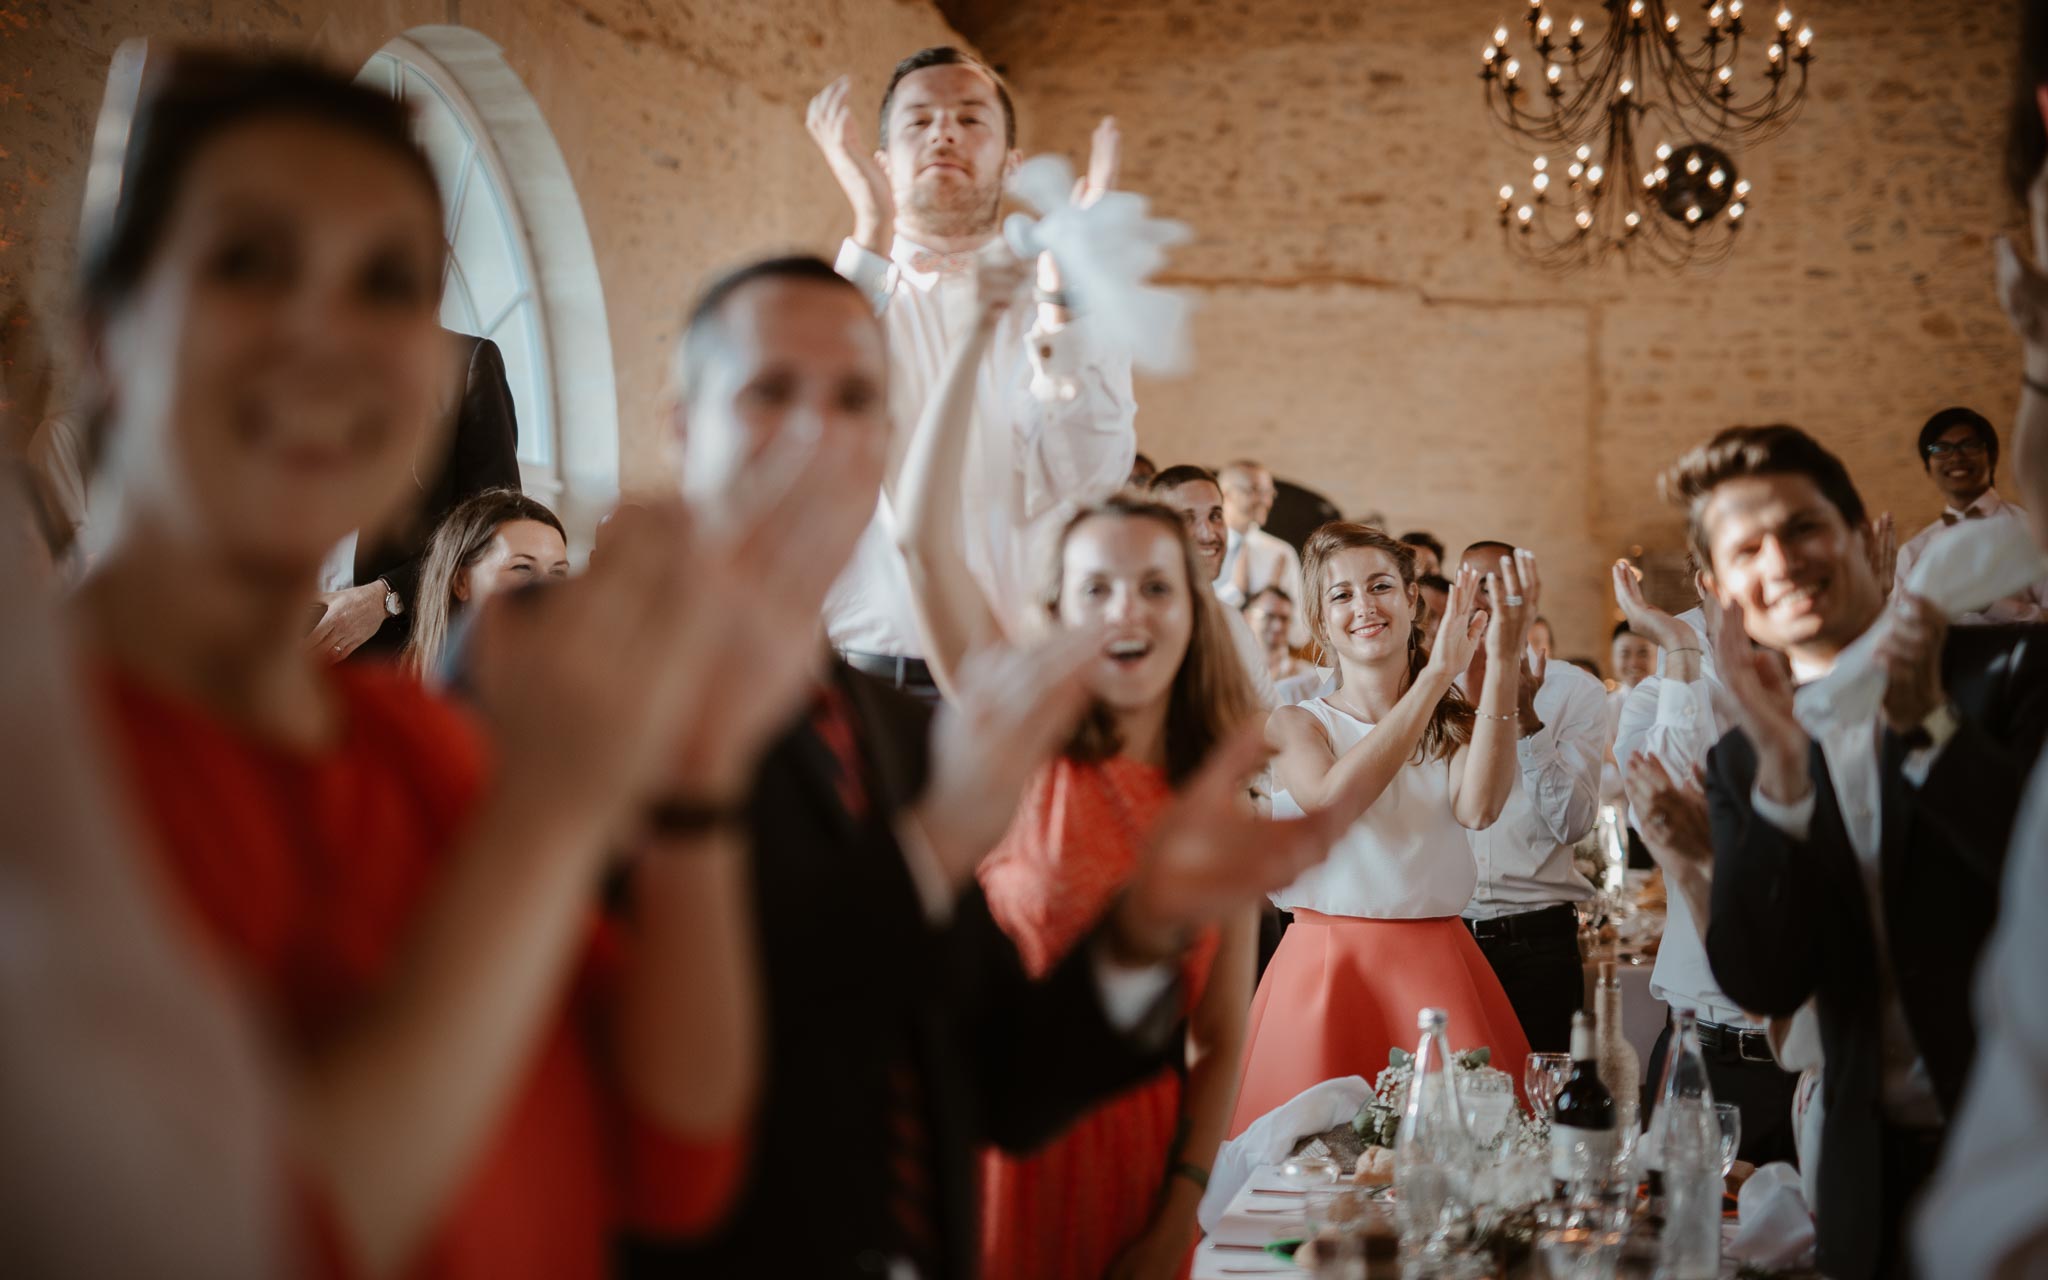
(1253, 1218)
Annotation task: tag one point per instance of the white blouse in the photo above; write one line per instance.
(1406, 859)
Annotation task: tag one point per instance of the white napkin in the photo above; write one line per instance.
(1271, 1138)
(1106, 253)
(1966, 567)
(1775, 1228)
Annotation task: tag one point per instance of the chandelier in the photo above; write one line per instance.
(1596, 102)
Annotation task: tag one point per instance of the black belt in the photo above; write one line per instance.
(1545, 922)
(901, 672)
(1735, 1044)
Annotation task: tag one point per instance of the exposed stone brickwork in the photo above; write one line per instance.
(1357, 304)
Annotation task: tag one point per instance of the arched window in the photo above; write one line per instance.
(521, 270)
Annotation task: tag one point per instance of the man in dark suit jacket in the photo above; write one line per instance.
(903, 1034)
(482, 452)
(1815, 814)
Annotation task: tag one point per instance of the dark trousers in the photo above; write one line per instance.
(1910, 1157)
(1273, 924)
(1536, 957)
(1761, 1090)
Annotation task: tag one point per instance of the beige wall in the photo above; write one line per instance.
(1363, 330)
(682, 126)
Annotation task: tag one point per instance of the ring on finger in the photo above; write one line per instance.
(1514, 601)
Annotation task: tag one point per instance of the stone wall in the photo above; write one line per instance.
(1364, 331)
(681, 123)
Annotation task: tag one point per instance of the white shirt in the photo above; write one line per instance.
(2030, 605)
(1406, 859)
(1031, 461)
(1677, 725)
(1316, 682)
(1249, 653)
(1850, 748)
(1524, 860)
(1985, 1202)
(1268, 562)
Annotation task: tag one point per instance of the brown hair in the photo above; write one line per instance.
(1450, 723)
(1755, 451)
(459, 542)
(1211, 695)
(948, 56)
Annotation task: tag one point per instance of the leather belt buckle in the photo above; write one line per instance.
(1745, 1039)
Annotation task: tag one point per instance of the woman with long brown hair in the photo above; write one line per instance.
(1116, 1194)
(499, 538)
(1410, 765)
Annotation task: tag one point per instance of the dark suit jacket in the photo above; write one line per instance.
(482, 453)
(859, 982)
(1791, 920)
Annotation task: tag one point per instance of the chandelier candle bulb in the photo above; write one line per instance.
(1513, 69)
(1578, 25)
(1507, 194)
(1663, 151)
(1671, 23)
(1693, 214)
(1593, 175)
(1726, 74)
(1585, 219)
(1784, 19)
(1541, 184)
(1735, 211)
(1742, 186)
(1543, 25)
(1635, 8)
(1553, 73)
(1585, 153)
(1714, 16)
(1541, 163)
(1500, 35)
(1525, 213)
(1692, 164)
(1777, 51)
(1577, 169)
(1490, 54)
(1716, 178)
(1735, 9)
(1627, 87)
(1805, 36)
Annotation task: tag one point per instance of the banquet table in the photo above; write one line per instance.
(1258, 1215)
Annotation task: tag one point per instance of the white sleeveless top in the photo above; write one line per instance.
(1406, 859)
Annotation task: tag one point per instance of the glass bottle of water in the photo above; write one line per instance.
(1691, 1160)
(1432, 1148)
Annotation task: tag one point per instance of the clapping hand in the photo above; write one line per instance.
(1673, 815)
(1210, 854)
(1761, 692)
(1011, 709)
(1105, 161)
(1910, 653)
(1883, 542)
(2023, 285)
(1515, 593)
(1457, 634)
(834, 128)
(1644, 618)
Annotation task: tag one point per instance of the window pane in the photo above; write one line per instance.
(483, 246)
(441, 132)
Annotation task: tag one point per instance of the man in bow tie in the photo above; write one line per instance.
(1857, 856)
(1052, 428)
(1960, 451)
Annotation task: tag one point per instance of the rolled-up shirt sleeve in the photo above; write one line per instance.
(1560, 766)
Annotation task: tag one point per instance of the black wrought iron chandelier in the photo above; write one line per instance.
(1596, 101)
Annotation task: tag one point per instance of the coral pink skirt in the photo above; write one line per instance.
(1341, 991)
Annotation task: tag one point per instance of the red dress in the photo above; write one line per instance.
(1070, 1208)
(305, 870)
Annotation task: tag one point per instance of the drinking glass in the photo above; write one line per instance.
(1582, 1238)
(1543, 1076)
(1730, 1117)
(1628, 1134)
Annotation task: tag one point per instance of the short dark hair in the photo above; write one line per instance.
(1778, 449)
(1270, 589)
(701, 327)
(1182, 473)
(1938, 426)
(946, 55)
(1434, 581)
(1425, 540)
(1621, 629)
(1488, 544)
(191, 97)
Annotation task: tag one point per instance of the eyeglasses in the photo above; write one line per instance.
(1943, 448)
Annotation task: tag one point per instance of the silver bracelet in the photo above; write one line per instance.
(1687, 649)
(1485, 715)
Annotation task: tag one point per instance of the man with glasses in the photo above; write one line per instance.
(1960, 451)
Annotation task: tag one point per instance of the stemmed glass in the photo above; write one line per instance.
(1730, 1117)
(1543, 1077)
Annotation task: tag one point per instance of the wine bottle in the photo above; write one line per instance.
(1621, 1070)
(1583, 1121)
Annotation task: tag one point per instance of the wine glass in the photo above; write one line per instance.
(1543, 1077)
(1730, 1117)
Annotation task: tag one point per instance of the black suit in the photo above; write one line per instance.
(482, 453)
(859, 985)
(1791, 920)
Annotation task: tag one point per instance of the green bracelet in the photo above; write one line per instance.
(1193, 1173)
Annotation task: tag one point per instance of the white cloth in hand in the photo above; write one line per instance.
(1106, 253)
(1776, 1227)
(1271, 1139)
(1965, 568)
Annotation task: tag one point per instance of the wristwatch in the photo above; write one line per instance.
(394, 604)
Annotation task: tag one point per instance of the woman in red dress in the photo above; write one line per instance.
(476, 1077)
(1116, 1194)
